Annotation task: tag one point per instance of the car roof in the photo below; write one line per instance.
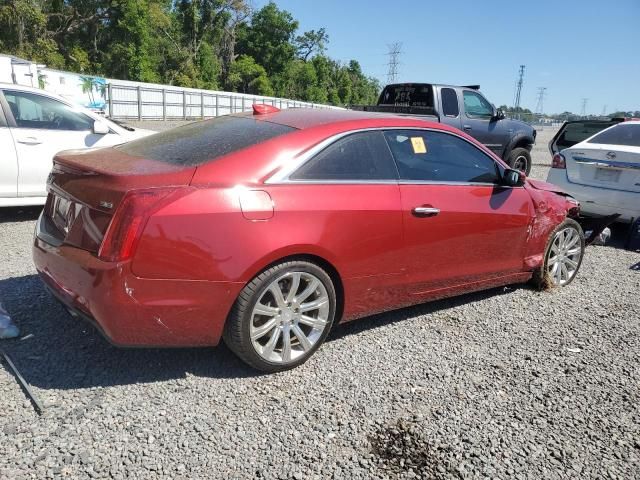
(340, 119)
(26, 88)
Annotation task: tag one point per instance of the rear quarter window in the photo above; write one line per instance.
(201, 142)
(622, 134)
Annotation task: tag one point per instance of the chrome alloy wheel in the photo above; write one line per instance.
(290, 317)
(564, 255)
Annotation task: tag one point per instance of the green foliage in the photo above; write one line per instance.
(311, 42)
(210, 44)
(246, 76)
(269, 38)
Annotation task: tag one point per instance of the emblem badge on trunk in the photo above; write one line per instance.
(104, 204)
(611, 155)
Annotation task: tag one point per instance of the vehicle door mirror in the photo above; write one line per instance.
(499, 114)
(100, 128)
(513, 178)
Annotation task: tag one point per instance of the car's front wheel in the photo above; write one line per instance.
(282, 316)
(563, 255)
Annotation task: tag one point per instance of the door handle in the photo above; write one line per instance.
(426, 211)
(466, 127)
(29, 141)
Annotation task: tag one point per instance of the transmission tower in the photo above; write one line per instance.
(540, 101)
(583, 112)
(516, 101)
(395, 49)
(604, 111)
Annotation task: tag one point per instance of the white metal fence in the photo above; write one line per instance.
(151, 102)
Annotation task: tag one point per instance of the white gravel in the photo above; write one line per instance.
(508, 383)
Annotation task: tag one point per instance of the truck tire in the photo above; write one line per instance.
(520, 159)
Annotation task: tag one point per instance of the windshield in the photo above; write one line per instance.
(201, 142)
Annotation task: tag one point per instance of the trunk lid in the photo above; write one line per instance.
(615, 167)
(572, 133)
(86, 186)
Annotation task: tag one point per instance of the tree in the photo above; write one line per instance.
(192, 43)
(132, 54)
(268, 39)
(311, 42)
(247, 76)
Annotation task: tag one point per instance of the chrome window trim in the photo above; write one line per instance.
(284, 174)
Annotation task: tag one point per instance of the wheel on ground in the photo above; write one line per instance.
(282, 316)
(563, 255)
(520, 159)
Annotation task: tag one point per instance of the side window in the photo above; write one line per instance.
(475, 105)
(439, 157)
(360, 156)
(37, 111)
(450, 106)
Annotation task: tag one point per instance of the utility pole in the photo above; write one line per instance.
(583, 112)
(540, 102)
(395, 49)
(516, 101)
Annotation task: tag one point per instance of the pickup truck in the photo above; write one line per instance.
(465, 108)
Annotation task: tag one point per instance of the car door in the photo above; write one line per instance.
(42, 126)
(346, 195)
(479, 121)
(8, 161)
(460, 225)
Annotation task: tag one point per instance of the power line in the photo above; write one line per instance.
(516, 101)
(540, 101)
(395, 50)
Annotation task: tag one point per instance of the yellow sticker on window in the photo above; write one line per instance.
(418, 145)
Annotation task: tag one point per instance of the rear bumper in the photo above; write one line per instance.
(133, 311)
(598, 201)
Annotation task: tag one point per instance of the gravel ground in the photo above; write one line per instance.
(508, 383)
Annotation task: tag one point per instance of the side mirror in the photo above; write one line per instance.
(100, 128)
(500, 114)
(513, 178)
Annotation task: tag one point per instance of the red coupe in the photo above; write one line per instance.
(265, 229)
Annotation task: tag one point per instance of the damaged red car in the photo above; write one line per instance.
(266, 229)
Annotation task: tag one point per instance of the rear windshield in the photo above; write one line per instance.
(200, 142)
(623, 134)
(410, 95)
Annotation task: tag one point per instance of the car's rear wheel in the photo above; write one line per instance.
(563, 255)
(282, 316)
(520, 159)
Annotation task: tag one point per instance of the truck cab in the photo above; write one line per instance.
(465, 108)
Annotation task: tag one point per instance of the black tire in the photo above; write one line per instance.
(541, 278)
(520, 159)
(236, 333)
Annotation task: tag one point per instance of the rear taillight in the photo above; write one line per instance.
(130, 218)
(558, 161)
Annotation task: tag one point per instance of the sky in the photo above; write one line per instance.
(575, 48)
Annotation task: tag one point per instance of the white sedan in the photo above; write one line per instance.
(602, 171)
(34, 126)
